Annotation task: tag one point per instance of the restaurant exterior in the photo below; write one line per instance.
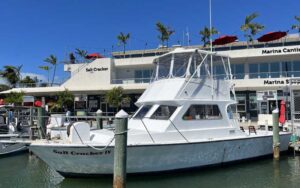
(262, 74)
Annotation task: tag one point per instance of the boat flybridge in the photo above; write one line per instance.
(185, 120)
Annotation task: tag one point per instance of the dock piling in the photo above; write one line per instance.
(276, 143)
(99, 119)
(41, 124)
(120, 151)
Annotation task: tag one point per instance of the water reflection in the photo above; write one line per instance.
(29, 171)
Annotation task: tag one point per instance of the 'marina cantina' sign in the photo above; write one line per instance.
(281, 51)
(96, 69)
(281, 82)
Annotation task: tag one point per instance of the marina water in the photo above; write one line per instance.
(29, 171)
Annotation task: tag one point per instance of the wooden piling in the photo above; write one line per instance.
(120, 151)
(41, 124)
(31, 123)
(276, 143)
(99, 119)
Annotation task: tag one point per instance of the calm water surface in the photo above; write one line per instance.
(29, 171)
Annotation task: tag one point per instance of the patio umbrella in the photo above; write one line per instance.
(272, 36)
(282, 112)
(38, 103)
(94, 56)
(226, 39)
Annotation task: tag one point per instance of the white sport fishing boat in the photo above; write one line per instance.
(185, 120)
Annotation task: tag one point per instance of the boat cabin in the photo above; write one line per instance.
(185, 95)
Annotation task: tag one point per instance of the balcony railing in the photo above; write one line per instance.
(285, 74)
(131, 81)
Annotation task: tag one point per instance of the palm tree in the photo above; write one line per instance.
(164, 33)
(123, 39)
(4, 87)
(72, 58)
(15, 98)
(115, 97)
(206, 33)
(12, 74)
(297, 26)
(53, 61)
(250, 29)
(81, 53)
(29, 82)
(46, 68)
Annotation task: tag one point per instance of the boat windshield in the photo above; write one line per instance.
(142, 112)
(163, 112)
(186, 64)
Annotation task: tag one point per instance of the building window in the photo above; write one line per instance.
(275, 70)
(202, 112)
(163, 112)
(296, 68)
(143, 76)
(241, 103)
(253, 70)
(238, 71)
(142, 112)
(286, 69)
(252, 101)
(264, 70)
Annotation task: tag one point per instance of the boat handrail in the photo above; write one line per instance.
(147, 130)
(179, 131)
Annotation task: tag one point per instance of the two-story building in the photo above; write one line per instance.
(262, 73)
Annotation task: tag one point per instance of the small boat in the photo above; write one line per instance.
(14, 132)
(185, 120)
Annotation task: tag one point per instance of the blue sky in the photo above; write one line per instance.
(31, 30)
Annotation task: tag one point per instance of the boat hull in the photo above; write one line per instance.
(8, 149)
(86, 161)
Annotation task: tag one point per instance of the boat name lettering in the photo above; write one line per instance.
(281, 82)
(96, 69)
(63, 152)
(279, 51)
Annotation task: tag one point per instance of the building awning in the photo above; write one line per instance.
(272, 36)
(35, 90)
(94, 56)
(226, 39)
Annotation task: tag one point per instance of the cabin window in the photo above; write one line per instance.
(142, 112)
(202, 112)
(231, 111)
(163, 112)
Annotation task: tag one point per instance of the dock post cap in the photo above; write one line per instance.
(121, 114)
(99, 111)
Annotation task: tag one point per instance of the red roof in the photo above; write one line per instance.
(272, 36)
(226, 39)
(94, 56)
